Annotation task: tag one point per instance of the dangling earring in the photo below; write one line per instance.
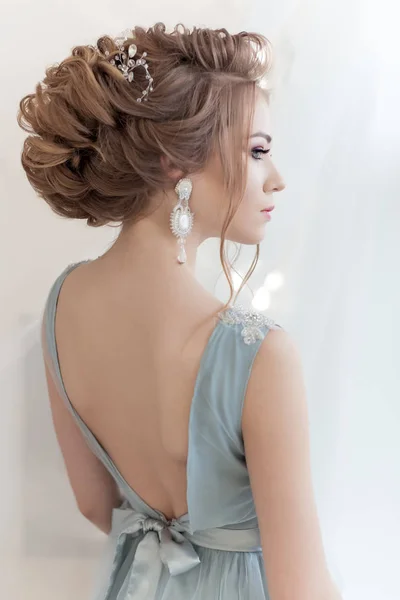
(181, 219)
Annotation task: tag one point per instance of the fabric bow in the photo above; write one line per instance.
(162, 543)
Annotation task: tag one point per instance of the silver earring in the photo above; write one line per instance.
(181, 219)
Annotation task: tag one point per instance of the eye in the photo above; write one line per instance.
(258, 151)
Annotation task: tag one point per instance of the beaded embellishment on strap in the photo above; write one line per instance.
(251, 320)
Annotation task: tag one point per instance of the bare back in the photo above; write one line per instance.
(130, 374)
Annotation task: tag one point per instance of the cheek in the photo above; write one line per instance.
(254, 188)
(210, 210)
(257, 173)
(249, 225)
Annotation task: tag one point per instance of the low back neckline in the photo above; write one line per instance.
(107, 459)
(251, 323)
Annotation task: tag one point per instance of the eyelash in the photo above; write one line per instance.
(260, 150)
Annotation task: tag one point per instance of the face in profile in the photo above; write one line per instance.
(251, 219)
(263, 179)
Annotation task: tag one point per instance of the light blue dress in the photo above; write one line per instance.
(212, 552)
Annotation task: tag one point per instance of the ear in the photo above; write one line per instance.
(170, 170)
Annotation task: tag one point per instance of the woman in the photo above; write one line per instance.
(182, 421)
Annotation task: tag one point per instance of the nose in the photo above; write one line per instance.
(274, 181)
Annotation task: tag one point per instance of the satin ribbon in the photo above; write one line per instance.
(162, 543)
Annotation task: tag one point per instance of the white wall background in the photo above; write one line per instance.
(329, 273)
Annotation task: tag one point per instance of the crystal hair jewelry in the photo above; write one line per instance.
(124, 60)
(181, 219)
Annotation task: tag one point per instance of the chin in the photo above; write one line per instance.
(248, 238)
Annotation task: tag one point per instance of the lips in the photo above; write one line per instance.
(270, 209)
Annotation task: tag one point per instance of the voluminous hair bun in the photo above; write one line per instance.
(94, 152)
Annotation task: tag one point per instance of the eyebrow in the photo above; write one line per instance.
(263, 135)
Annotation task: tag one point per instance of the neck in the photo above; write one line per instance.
(150, 246)
(145, 253)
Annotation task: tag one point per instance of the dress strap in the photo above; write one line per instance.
(49, 345)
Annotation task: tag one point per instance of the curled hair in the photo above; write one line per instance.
(94, 152)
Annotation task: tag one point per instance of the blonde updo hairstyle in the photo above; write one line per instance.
(94, 152)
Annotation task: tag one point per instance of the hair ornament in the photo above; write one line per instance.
(124, 60)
